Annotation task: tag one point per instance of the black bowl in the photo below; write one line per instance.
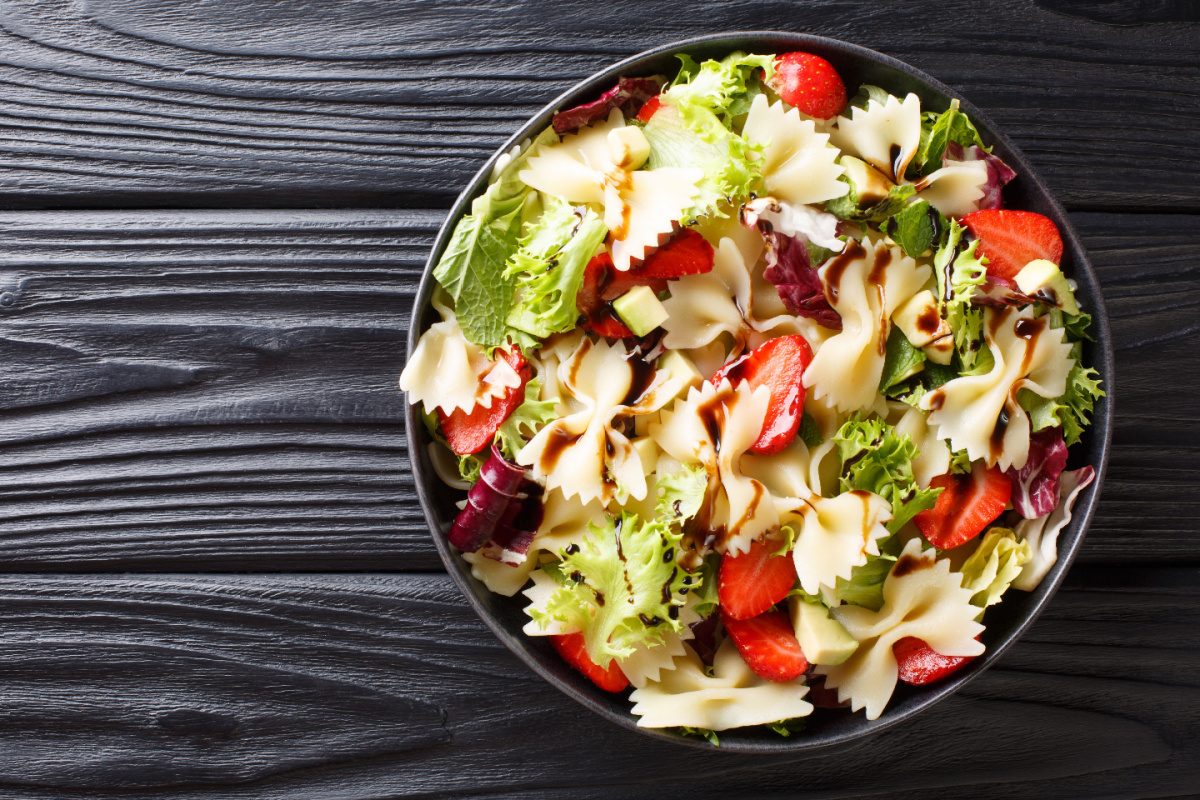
(1005, 622)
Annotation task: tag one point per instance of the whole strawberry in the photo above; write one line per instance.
(810, 83)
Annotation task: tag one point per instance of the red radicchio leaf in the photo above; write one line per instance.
(487, 502)
(1035, 485)
(998, 172)
(516, 529)
(790, 270)
(628, 95)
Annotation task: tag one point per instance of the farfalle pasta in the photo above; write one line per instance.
(747, 357)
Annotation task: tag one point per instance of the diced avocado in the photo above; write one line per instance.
(647, 452)
(1043, 280)
(628, 147)
(822, 638)
(678, 365)
(640, 309)
(870, 185)
(940, 351)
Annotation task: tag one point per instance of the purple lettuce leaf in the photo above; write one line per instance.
(628, 95)
(515, 531)
(789, 269)
(1036, 485)
(487, 502)
(998, 172)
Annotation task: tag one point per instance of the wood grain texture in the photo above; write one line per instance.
(217, 390)
(364, 103)
(321, 687)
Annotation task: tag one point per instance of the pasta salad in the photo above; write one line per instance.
(758, 394)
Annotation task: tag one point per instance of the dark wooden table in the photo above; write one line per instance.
(218, 583)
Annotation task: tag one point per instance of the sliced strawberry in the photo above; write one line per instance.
(750, 583)
(687, 253)
(921, 664)
(810, 83)
(471, 431)
(778, 364)
(768, 645)
(647, 110)
(965, 507)
(1011, 239)
(572, 648)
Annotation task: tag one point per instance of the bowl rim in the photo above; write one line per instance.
(1100, 429)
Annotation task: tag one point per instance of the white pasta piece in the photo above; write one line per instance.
(1042, 533)
(798, 165)
(838, 534)
(497, 576)
(576, 168)
(785, 474)
(921, 598)
(449, 373)
(539, 593)
(956, 188)
(732, 698)
(885, 135)
(713, 427)
(864, 285)
(564, 522)
(648, 206)
(1028, 354)
(703, 307)
(583, 454)
(933, 457)
(641, 207)
(647, 662)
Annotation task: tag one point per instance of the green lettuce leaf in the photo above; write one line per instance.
(901, 361)
(916, 228)
(706, 590)
(937, 131)
(548, 267)
(472, 267)
(680, 494)
(966, 271)
(697, 138)
(848, 206)
(525, 420)
(703, 733)
(624, 587)
(867, 93)
(1072, 410)
(468, 467)
(875, 458)
(929, 378)
(865, 587)
(995, 564)
(725, 88)
(810, 431)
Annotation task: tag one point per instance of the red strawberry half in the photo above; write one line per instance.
(752, 582)
(778, 364)
(572, 648)
(768, 645)
(965, 507)
(1011, 239)
(920, 664)
(810, 83)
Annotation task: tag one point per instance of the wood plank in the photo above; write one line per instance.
(334, 103)
(217, 390)
(375, 686)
